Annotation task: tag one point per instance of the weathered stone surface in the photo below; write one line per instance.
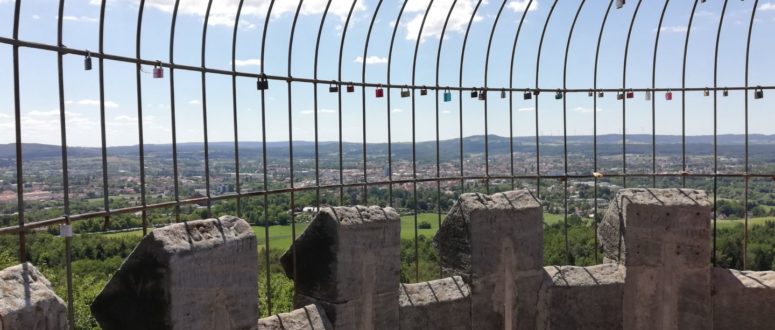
(581, 297)
(193, 275)
(496, 243)
(743, 299)
(309, 317)
(348, 261)
(661, 236)
(438, 304)
(27, 300)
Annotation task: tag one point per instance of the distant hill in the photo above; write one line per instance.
(609, 144)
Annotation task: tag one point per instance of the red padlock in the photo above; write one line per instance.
(630, 94)
(350, 88)
(379, 92)
(158, 71)
(669, 96)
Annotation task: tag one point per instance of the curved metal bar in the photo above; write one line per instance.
(237, 186)
(414, 142)
(715, 131)
(141, 138)
(683, 93)
(103, 133)
(747, 165)
(460, 92)
(341, 49)
(486, 71)
(624, 99)
(511, 92)
(565, 129)
(594, 112)
(654, 99)
(438, 144)
(315, 104)
(204, 107)
(363, 100)
(18, 135)
(172, 112)
(390, 62)
(538, 65)
(65, 174)
(263, 157)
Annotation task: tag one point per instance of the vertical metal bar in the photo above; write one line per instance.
(460, 93)
(594, 113)
(715, 133)
(263, 156)
(538, 66)
(438, 154)
(141, 139)
(172, 111)
(390, 143)
(565, 131)
(414, 142)
(237, 187)
(624, 99)
(103, 138)
(339, 95)
(315, 102)
(18, 126)
(65, 175)
(486, 71)
(204, 108)
(654, 99)
(290, 140)
(363, 100)
(683, 95)
(747, 165)
(511, 86)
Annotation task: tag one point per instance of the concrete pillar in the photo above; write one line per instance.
(496, 243)
(662, 236)
(743, 299)
(192, 275)
(443, 304)
(348, 261)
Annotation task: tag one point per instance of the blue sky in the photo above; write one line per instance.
(40, 109)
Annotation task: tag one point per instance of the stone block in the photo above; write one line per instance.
(348, 260)
(662, 237)
(496, 243)
(192, 275)
(27, 300)
(743, 299)
(581, 297)
(438, 304)
(309, 317)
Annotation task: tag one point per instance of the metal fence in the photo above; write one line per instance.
(441, 93)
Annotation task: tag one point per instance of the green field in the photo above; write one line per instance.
(751, 222)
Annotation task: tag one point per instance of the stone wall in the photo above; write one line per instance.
(27, 300)
(437, 304)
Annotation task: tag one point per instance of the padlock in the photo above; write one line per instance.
(503, 94)
(482, 95)
(758, 93)
(87, 62)
(669, 96)
(263, 83)
(558, 95)
(590, 93)
(333, 88)
(620, 95)
(424, 91)
(600, 95)
(527, 95)
(379, 92)
(474, 94)
(706, 92)
(619, 4)
(536, 91)
(630, 94)
(158, 71)
(447, 95)
(725, 92)
(405, 92)
(648, 96)
(350, 88)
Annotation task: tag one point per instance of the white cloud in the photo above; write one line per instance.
(528, 109)
(78, 18)
(674, 28)
(446, 112)
(35, 16)
(520, 5)
(767, 6)
(434, 23)
(194, 102)
(320, 111)
(397, 110)
(372, 60)
(585, 110)
(90, 102)
(248, 62)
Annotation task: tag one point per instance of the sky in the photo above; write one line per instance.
(81, 26)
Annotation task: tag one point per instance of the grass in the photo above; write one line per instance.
(751, 222)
